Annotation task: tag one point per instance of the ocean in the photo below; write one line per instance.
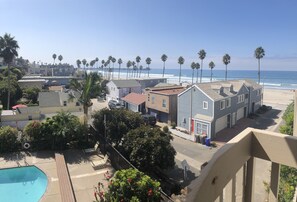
(269, 79)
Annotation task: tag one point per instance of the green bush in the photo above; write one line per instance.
(165, 129)
(173, 125)
(132, 185)
(8, 139)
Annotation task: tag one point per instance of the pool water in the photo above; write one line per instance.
(25, 184)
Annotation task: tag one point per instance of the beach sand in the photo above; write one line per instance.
(277, 98)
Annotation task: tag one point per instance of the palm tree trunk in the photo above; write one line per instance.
(8, 93)
(119, 71)
(197, 75)
(192, 76)
(201, 71)
(179, 72)
(86, 108)
(258, 71)
(226, 74)
(210, 75)
(163, 69)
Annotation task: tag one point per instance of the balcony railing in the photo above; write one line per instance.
(238, 156)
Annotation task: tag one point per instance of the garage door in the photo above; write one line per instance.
(240, 113)
(221, 123)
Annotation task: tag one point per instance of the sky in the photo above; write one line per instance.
(79, 29)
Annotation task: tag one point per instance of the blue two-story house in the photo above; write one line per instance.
(207, 108)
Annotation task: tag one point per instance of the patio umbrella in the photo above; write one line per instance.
(19, 106)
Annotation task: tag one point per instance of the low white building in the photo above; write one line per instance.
(120, 88)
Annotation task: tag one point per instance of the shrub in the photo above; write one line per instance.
(132, 185)
(173, 125)
(165, 129)
(8, 139)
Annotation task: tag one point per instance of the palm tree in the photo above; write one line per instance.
(128, 67)
(137, 61)
(54, 57)
(164, 58)
(113, 60)
(140, 69)
(78, 63)
(84, 61)
(193, 66)
(103, 62)
(259, 53)
(97, 59)
(226, 61)
(8, 51)
(211, 66)
(120, 62)
(60, 57)
(181, 61)
(134, 68)
(87, 65)
(92, 63)
(148, 62)
(202, 55)
(87, 89)
(108, 62)
(197, 67)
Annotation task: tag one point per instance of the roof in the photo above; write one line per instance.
(135, 98)
(165, 84)
(168, 91)
(126, 83)
(56, 88)
(222, 89)
(31, 80)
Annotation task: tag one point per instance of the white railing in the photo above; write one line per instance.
(238, 155)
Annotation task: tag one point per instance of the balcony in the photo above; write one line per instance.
(230, 174)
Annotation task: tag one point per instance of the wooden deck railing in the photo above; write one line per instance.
(238, 154)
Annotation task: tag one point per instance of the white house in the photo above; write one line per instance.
(120, 88)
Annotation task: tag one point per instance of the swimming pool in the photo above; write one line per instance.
(26, 184)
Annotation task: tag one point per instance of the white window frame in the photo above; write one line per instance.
(200, 129)
(164, 104)
(240, 98)
(228, 101)
(224, 104)
(205, 105)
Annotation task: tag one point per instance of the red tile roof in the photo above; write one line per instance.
(135, 98)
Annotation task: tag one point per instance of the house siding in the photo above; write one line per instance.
(115, 93)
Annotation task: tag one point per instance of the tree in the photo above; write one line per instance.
(180, 61)
(60, 57)
(92, 63)
(113, 60)
(164, 58)
(197, 74)
(8, 139)
(134, 68)
(78, 63)
(97, 59)
(132, 185)
(8, 51)
(31, 94)
(202, 55)
(84, 61)
(119, 62)
(128, 67)
(103, 63)
(211, 66)
(149, 148)
(259, 54)
(54, 57)
(140, 69)
(87, 89)
(148, 62)
(137, 61)
(193, 66)
(118, 123)
(226, 61)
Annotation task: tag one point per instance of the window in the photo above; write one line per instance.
(77, 104)
(246, 96)
(30, 117)
(205, 105)
(153, 99)
(259, 92)
(202, 129)
(228, 102)
(222, 104)
(240, 98)
(185, 120)
(163, 103)
(65, 103)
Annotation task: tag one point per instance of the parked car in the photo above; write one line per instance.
(113, 104)
(149, 119)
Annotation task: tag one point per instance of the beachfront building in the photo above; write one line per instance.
(207, 108)
(150, 82)
(162, 102)
(118, 89)
(135, 102)
(51, 80)
(31, 83)
(52, 70)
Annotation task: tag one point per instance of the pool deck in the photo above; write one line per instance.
(83, 176)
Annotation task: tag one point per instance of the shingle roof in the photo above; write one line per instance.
(221, 89)
(126, 83)
(134, 98)
(168, 91)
